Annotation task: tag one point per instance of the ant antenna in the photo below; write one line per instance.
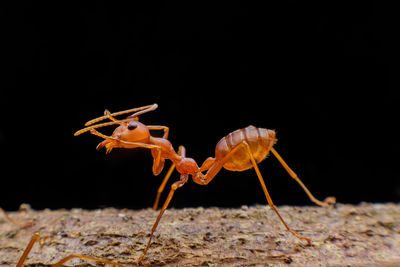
(108, 115)
(84, 130)
(140, 110)
(151, 108)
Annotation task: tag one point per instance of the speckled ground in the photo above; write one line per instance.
(345, 235)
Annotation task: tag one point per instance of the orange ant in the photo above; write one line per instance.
(240, 150)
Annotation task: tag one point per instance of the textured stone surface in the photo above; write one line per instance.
(345, 235)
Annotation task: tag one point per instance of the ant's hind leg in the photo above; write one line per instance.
(326, 202)
(270, 203)
(216, 166)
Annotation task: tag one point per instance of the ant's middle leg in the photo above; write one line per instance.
(213, 166)
(174, 187)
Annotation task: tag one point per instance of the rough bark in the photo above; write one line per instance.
(345, 235)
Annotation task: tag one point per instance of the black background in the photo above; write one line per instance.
(321, 74)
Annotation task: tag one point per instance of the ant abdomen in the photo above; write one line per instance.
(260, 141)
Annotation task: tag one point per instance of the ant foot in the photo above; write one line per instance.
(330, 200)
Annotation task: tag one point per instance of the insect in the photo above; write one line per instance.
(240, 150)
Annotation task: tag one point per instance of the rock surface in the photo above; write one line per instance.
(345, 235)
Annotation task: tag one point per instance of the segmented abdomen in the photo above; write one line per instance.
(260, 141)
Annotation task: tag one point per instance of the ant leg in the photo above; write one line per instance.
(138, 111)
(22, 224)
(207, 164)
(174, 186)
(218, 164)
(182, 153)
(158, 127)
(83, 257)
(326, 202)
(270, 203)
(162, 186)
(213, 166)
(95, 132)
(36, 238)
(158, 162)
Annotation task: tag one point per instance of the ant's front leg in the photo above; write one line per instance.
(182, 153)
(132, 144)
(159, 127)
(36, 238)
(22, 224)
(158, 161)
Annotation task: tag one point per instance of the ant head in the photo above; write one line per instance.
(129, 131)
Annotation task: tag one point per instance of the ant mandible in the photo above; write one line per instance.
(240, 150)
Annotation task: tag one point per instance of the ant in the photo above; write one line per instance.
(240, 150)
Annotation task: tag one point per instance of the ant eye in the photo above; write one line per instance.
(132, 125)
